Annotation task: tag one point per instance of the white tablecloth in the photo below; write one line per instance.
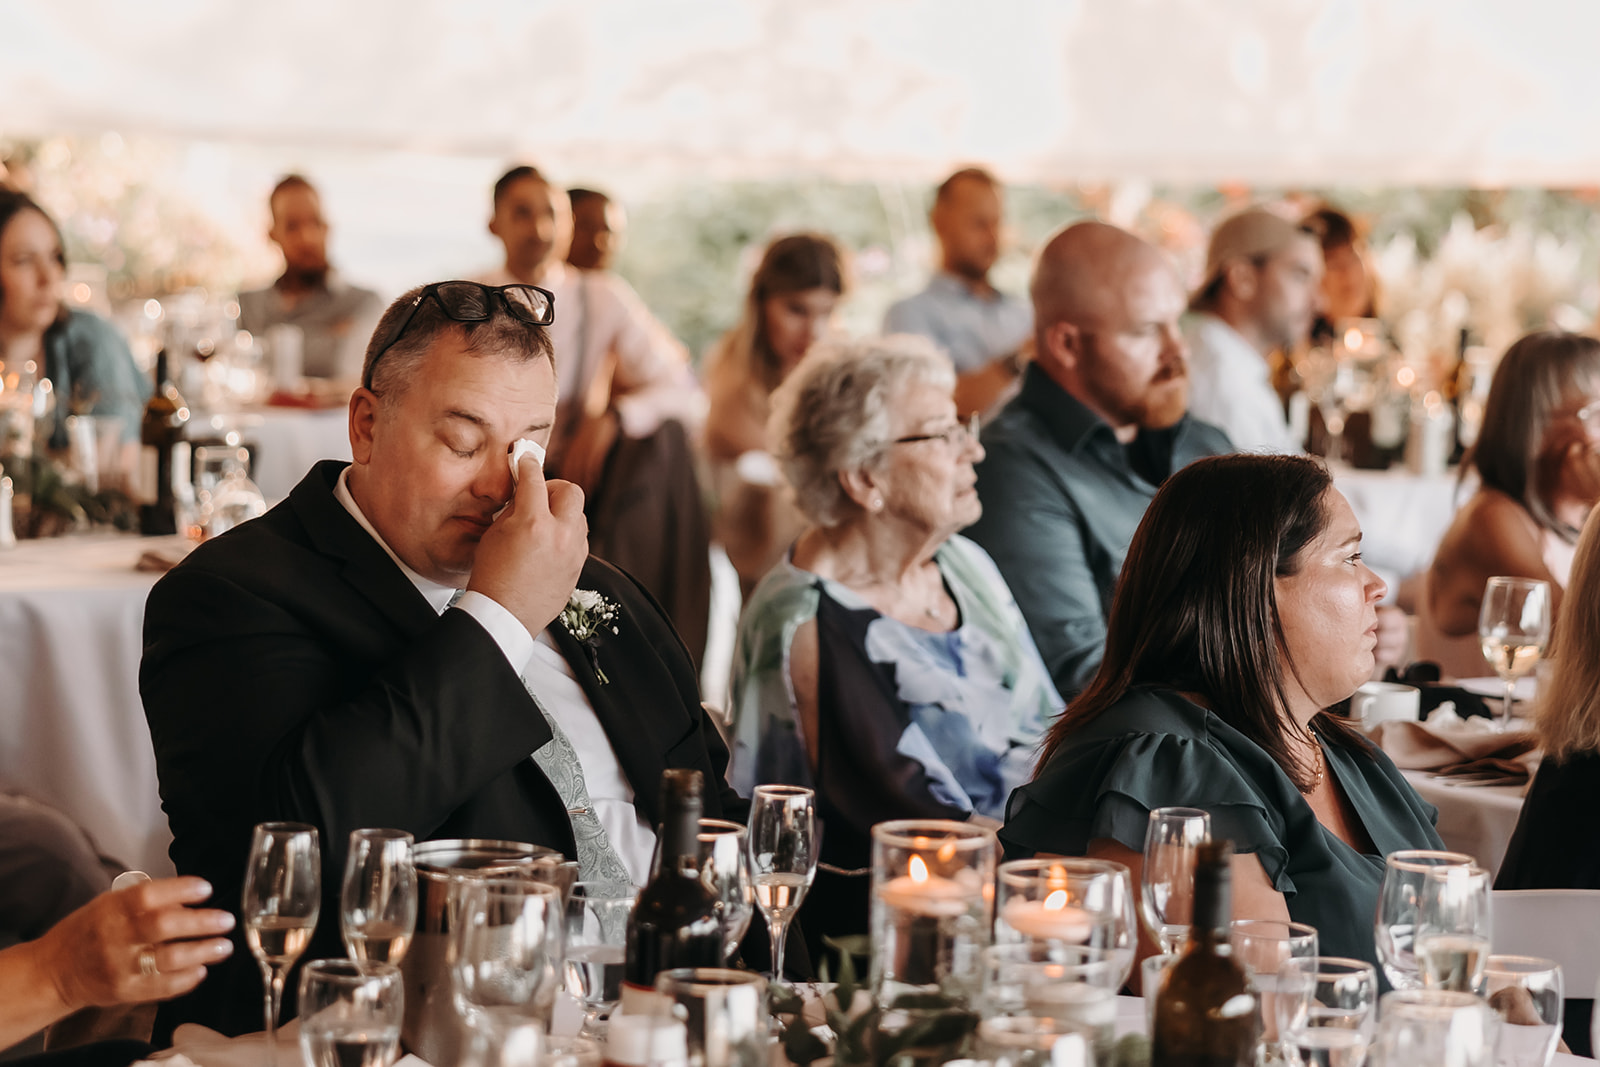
(1402, 516)
(72, 729)
(286, 442)
(1477, 820)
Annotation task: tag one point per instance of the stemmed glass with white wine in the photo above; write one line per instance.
(281, 900)
(783, 846)
(1514, 626)
(1166, 881)
(378, 900)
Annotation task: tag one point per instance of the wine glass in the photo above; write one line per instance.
(783, 849)
(597, 937)
(725, 867)
(1326, 1010)
(1077, 901)
(1454, 928)
(282, 897)
(504, 952)
(1514, 626)
(1526, 992)
(378, 900)
(1434, 1026)
(1051, 979)
(1262, 947)
(1395, 926)
(350, 1012)
(1166, 881)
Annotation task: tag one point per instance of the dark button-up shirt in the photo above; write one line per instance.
(1061, 500)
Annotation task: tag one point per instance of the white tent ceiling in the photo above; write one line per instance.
(1267, 91)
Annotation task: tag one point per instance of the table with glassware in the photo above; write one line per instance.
(465, 944)
(72, 728)
(284, 442)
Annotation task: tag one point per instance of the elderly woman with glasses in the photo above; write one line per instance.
(883, 662)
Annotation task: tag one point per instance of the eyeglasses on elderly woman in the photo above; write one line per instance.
(954, 435)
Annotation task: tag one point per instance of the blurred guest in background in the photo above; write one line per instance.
(629, 406)
(884, 662)
(1349, 287)
(790, 305)
(612, 356)
(598, 224)
(1101, 421)
(85, 358)
(334, 317)
(1538, 478)
(1259, 296)
(1244, 612)
(983, 330)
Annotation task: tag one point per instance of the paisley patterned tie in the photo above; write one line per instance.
(597, 860)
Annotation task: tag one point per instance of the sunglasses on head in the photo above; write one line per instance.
(473, 302)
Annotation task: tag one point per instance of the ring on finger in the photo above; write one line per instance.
(147, 962)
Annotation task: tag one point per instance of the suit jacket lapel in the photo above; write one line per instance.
(611, 703)
(368, 568)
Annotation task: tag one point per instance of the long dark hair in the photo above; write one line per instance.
(14, 203)
(1534, 378)
(1195, 608)
(793, 264)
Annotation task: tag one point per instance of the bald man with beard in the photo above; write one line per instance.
(1101, 421)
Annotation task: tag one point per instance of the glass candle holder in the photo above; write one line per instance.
(932, 907)
(1073, 901)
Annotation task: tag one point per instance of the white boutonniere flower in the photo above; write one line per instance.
(586, 616)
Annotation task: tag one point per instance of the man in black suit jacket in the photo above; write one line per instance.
(305, 666)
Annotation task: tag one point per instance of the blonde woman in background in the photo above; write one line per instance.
(790, 305)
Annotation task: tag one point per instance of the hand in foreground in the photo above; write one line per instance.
(133, 945)
(529, 560)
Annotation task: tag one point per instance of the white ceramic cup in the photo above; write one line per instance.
(1380, 702)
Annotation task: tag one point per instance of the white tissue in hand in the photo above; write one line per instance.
(525, 446)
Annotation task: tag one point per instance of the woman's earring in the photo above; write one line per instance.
(877, 503)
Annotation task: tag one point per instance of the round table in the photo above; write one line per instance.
(72, 728)
(1477, 820)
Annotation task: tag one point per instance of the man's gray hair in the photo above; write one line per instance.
(501, 335)
(832, 413)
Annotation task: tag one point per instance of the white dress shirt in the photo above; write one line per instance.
(546, 672)
(1230, 386)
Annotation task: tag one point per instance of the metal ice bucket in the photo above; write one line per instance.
(433, 1029)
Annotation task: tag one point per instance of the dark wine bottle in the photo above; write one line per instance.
(1206, 1014)
(160, 434)
(675, 923)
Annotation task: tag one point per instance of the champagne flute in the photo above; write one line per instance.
(1395, 925)
(1454, 928)
(1514, 626)
(1326, 1011)
(597, 929)
(725, 866)
(378, 900)
(1526, 992)
(783, 849)
(282, 897)
(1166, 881)
(350, 1013)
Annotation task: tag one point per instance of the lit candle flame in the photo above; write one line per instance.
(947, 851)
(1056, 900)
(919, 870)
(1353, 340)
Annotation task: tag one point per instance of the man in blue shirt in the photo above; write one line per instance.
(1100, 422)
(982, 329)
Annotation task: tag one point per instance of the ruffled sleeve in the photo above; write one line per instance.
(1106, 788)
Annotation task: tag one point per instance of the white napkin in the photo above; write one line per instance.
(194, 1045)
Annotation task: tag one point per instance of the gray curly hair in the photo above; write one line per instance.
(832, 413)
